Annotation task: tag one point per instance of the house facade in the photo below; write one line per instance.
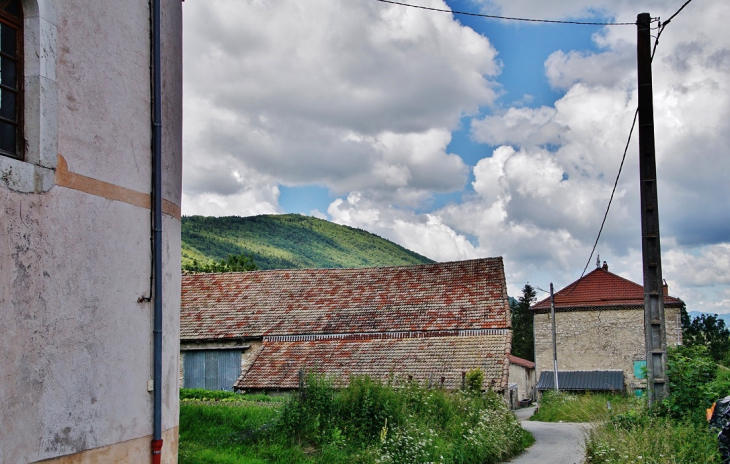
(428, 323)
(75, 258)
(599, 333)
(522, 376)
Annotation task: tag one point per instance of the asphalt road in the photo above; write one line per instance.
(555, 443)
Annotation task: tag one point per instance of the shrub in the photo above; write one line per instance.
(403, 424)
(474, 380)
(692, 375)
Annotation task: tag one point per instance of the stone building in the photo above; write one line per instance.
(522, 376)
(599, 329)
(75, 258)
(428, 323)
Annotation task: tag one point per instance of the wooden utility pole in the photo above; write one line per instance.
(654, 328)
(555, 346)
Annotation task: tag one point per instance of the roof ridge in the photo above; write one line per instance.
(352, 269)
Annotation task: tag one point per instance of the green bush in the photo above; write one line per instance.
(403, 424)
(474, 380)
(693, 386)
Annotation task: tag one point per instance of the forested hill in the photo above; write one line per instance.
(289, 241)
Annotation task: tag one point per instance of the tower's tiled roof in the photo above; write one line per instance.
(463, 295)
(600, 288)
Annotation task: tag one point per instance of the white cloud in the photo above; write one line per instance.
(708, 266)
(349, 95)
(361, 97)
(424, 234)
(524, 126)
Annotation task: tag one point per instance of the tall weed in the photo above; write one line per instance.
(404, 424)
(651, 440)
(585, 407)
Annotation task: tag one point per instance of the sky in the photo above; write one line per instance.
(463, 137)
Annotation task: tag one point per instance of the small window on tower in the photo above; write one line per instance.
(11, 61)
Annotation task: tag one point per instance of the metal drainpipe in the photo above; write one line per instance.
(157, 225)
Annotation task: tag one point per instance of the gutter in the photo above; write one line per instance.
(157, 230)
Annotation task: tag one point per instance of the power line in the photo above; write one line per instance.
(613, 192)
(676, 13)
(661, 27)
(508, 18)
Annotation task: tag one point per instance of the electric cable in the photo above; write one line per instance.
(661, 27)
(610, 200)
(508, 18)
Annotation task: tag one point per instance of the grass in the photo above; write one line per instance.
(200, 394)
(367, 422)
(651, 440)
(587, 407)
(629, 432)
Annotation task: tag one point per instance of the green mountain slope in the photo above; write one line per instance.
(289, 241)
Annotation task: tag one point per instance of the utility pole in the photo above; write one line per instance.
(555, 348)
(654, 328)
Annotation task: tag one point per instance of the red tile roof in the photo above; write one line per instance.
(464, 295)
(522, 362)
(600, 288)
(424, 358)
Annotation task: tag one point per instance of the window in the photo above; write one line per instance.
(11, 54)
(211, 369)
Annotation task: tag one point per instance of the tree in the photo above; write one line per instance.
(234, 263)
(708, 331)
(523, 337)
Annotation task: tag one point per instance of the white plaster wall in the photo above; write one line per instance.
(76, 343)
(598, 340)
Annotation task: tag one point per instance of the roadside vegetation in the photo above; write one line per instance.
(674, 431)
(365, 422)
(588, 407)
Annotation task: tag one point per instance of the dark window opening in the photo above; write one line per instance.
(11, 79)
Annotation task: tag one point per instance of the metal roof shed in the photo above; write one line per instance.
(608, 380)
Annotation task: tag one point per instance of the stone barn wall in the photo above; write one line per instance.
(598, 340)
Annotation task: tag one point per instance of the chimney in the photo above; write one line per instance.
(665, 288)
(605, 266)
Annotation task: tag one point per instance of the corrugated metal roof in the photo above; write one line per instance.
(611, 380)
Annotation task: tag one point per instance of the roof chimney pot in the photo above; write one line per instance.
(665, 288)
(605, 266)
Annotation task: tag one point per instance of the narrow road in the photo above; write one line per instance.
(555, 443)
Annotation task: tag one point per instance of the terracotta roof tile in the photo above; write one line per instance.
(464, 295)
(522, 362)
(278, 364)
(600, 288)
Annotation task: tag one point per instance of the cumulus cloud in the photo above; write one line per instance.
(523, 126)
(424, 234)
(352, 96)
(362, 98)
